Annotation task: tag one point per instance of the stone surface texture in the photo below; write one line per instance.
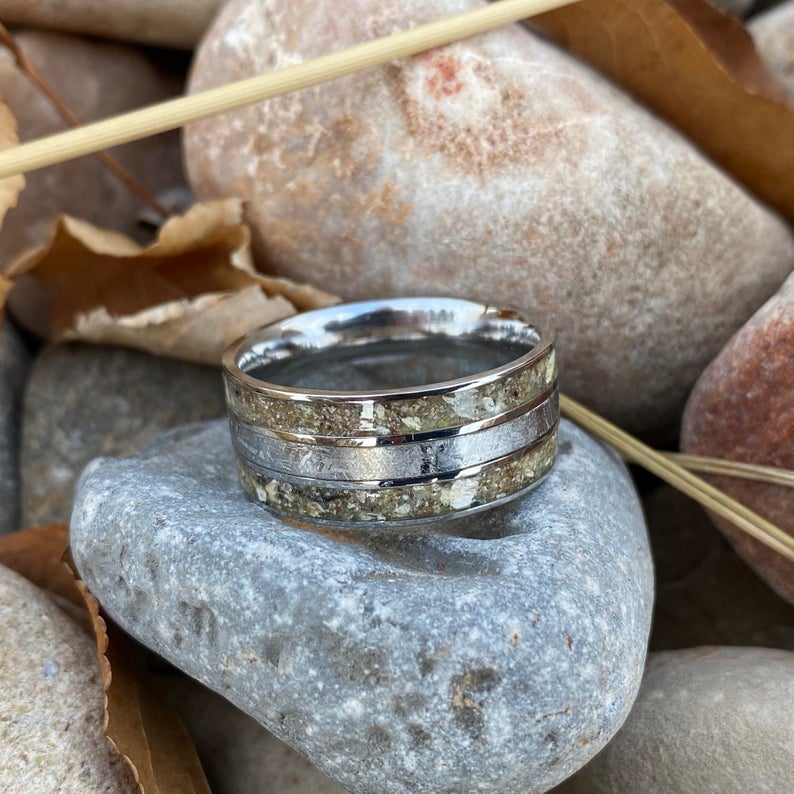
(83, 401)
(498, 169)
(14, 363)
(165, 23)
(498, 653)
(51, 701)
(773, 33)
(743, 409)
(705, 593)
(737, 8)
(238, 755)
(101, 79)
(708, 720)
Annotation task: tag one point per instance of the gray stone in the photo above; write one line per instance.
(14, 363)
(705, 593)
(773, 33)
(737, 8)
(496, 654)
(83, 401)
(708, 720)
(238, 755)
(51, 701)
(498, 169)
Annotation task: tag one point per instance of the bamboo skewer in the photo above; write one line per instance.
(690, 484)
(175, 113)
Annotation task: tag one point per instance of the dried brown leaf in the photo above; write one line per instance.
(37, 554)
(145, 731)
(188, 295)
(697, 68)
(11, 186)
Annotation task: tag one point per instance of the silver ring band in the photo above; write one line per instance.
(399, 410)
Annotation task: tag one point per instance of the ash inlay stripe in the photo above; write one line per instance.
(393, 417)
(407, 502)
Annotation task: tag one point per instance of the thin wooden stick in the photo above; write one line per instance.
(177, 112)
(690, 484)
(733, 468)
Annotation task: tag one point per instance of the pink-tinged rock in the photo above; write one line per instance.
(498, 169)
(96, 80)
(743, 409)
(773, 33)
(166, 23)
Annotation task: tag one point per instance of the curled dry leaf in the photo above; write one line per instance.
(11, 186)
(143, 729)
(699, 69)
(188, 295)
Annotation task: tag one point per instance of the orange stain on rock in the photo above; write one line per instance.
(444, 77)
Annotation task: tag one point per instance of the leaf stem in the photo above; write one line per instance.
(693, 486)
(67, 114)
(770, 475)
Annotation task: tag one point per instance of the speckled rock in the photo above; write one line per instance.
(708, 720)
(705, 593)
(743, 409)
(83, 401)
(773, 33)
(51, 701)
(166, 23)
(14, 362)
(496, 654)
(238, 755)
(101, 80)
(498, 169)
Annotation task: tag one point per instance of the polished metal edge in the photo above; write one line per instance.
(313, 325)
(413, 460)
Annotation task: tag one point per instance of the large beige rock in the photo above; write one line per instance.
(773, 33)
(498, 169)
(96, 80)
(167, 23)
(51, 701)
(707, 721)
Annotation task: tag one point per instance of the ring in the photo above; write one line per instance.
(392, 411)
